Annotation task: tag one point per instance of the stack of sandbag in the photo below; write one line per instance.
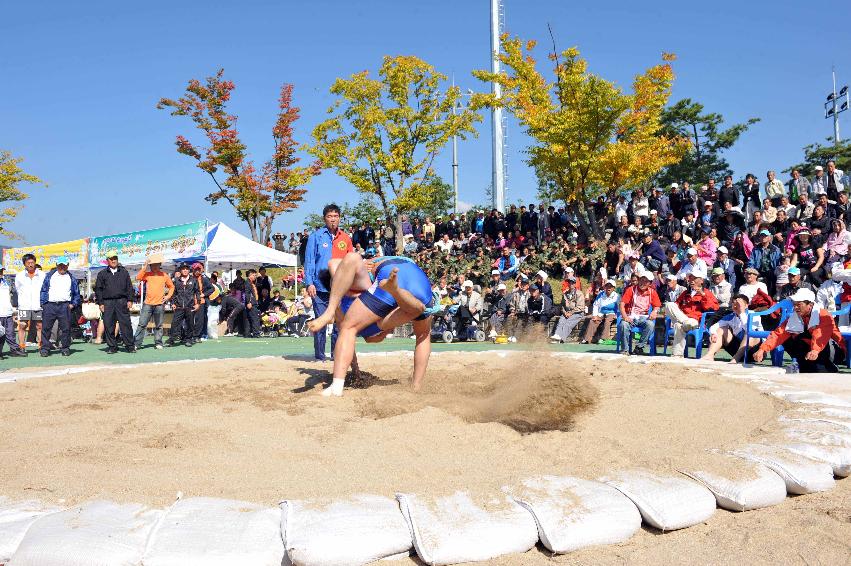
(802, 475)
(738, 485)
(203, 531)
(15, 520)
(355, 530)
(666, 502)
(100, 533)
(573, 513)
(453, 529)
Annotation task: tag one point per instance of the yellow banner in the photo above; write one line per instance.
(77, 252)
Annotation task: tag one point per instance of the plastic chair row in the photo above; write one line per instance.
(785, 308)
(846, 335)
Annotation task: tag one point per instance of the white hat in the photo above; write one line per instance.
(542, 274)
(408, 236)
(653, 211)
(699, 271)
(819, 168)
(611, 282)
(501, 287)
(803, 295)
(722, 250)
(691, 251)
(568, 269)
(495, 272)
(671, 277)
(467, 283)
(674, 186)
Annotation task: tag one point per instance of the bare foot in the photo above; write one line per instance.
(321, 322)
(391, 284)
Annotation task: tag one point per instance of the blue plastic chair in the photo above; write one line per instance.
(845, 335)
(785, 308)
(619, 340)
(698, 336)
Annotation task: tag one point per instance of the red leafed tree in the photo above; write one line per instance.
(258, 195)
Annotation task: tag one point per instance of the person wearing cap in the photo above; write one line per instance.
(692, 265)
(707, 218)
(28, 285)
(541, 281)
(728, 265)
(185, 301)
(752, 285)
(8, 300)
(603, 311)
(809, 336)
(115, 294)
(156, 290)
(809, 258)
(672, 289)
(518, 303)
(660, 202)
(639, 307)
(573, 311)
(795, 282)
(686, 311)
(721, 288)
(539, 308)
(59, 295)
(470, 306)
(498, 309)
(765, 258)
(632, 266)
(729, 333)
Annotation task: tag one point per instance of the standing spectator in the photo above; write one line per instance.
(184, 302)
(157, 289)
(728, 193)
(689, 199)
(252, 306)
(302, 246)
(428, 228)
(660, 202)
(115, 294)
(798, 185)
(686, 311)
(639, 307)
(59, 296)
(28, 285)
(765, 258)
(8, 297)
(263, 280)
(603, 310)
(773, 188)
(326, 243)
(205, 289)
(640, 205)
(750, 192)
(833, 185)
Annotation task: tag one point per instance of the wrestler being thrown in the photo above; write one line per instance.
(371, 298)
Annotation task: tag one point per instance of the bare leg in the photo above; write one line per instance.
(405, 300)
(422, 351)
(23, 326)
(357, 318)
(349, 268)
(715, 347)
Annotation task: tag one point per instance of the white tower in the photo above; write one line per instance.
(497, 125)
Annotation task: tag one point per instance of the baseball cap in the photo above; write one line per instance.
(467, 283)
(718, 271)
(494, 271)
(794, 271)
(752, 270)
(110, 254)
(155, 258)
(610, 282)
(184, 264)
(534, 288)
(500, 287)
(674, 185)
(691, 251)
(764, 233)
(62, 260)
(707, 204)
(803, 295)
(723, 250)
(542, 274)
(653, 211)
(819, 168)
(671, 277)
(568, 269)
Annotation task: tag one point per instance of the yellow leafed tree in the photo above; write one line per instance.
(590, 137)
(384, 133)
(11, 177)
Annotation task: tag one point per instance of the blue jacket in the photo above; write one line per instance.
(316, 257)
(773, 258)
(75, 289)
(510, 266)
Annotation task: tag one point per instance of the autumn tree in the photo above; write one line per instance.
(589, 137)
(12, 176)
(257, 195)
(383, 134)
(709, 140)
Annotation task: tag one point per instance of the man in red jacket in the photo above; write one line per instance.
(809, 335)
(639, 306)
(685, 313)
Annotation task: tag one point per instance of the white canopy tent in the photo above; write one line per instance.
(228, 249)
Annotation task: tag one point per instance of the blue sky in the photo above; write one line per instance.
(81, 80)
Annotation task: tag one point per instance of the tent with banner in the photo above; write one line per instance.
(77, 251)
(228, 249)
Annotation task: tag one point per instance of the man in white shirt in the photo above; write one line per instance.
(59, 295)
(721, 288)
(28, 287)
(7, 321)
(692, 266)
(729, 333)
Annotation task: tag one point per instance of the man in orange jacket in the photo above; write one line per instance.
(686, 311)
(809, 335)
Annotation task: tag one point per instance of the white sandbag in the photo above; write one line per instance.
(838, 457)
(216, 532)
(573, 513)
(213, 321)
(100, 533)
(453, 529)
(811, 398)
(15, 519)
(665, 502)
(832, 412)
(355, 530)
(801, 474)
(818, 437)
(821, 422)
(738, 485)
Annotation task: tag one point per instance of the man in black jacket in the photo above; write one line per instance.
(252, 309)
(115, 294)
(185, 302)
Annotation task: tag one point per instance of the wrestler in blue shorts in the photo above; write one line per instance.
(398, 293)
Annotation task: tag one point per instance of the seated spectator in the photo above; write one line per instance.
(572, 313)
(639, 307)
(721, 288)
(692, 265)
(507, 264)
(838, 240)
(728, 265)
(470, 306)
(499, 308)
(669, 292)
(729, 333)
(809, 258)
(603, 310)
(752, 284)
(541, 281)
(794, 283)
(518, 302)
(809, 336)
(539, 307)
(410, 246)
(686, 311)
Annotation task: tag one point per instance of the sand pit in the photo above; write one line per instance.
(257, 430)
